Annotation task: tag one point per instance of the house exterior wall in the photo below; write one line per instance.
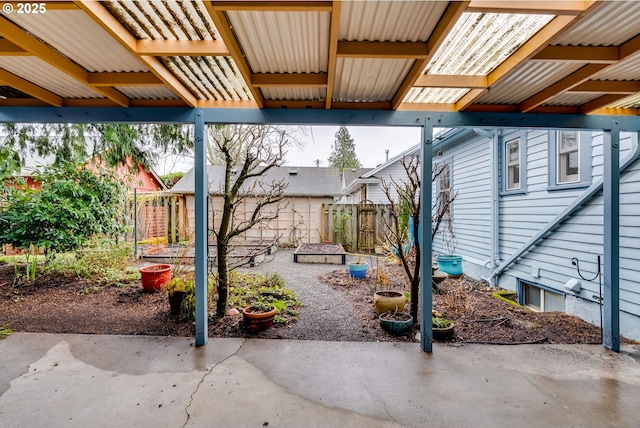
(375, 192)
(523, 214)
(299, 219)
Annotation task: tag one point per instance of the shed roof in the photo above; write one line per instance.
(525, 56)
(302, 181)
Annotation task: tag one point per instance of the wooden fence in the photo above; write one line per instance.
(156, 217)
(359, 227)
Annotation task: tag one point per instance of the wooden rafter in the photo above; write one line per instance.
(279, 80)
(451, 81)
(333, 51)
(29, 88)
(224, 28)
(396, 50)
(29, 43)
(10, 49)
(110, 24)
(124, 79)
(439, 34)
(182, 48)
(626, 87)
(545, 7)
(528, 50)
(586, 54)
(273, 6)
(561, 86)
(600, 102)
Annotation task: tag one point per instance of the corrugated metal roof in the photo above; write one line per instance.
(624, 70)
(47, 76)
(283, 42)
(79, 38)
(479, 42)
(171, 20)
(299, 93)
(528, 81)
(612, 24)
(435, 95)
(208, 77)
(148, 92)
(632, 101)
(373, 20)
(571, 99)
(369, 79)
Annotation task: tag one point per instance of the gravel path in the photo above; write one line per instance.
(326, 314)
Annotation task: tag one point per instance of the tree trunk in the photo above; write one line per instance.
(415, 280)
(223, 280)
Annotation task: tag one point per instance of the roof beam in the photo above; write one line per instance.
(279, 80)
(124, 79)
(443, 28)
(528, 50)
(561, 86)
(333, 51)
(112, 26)
(29, 88)
(600, 102)
(544, 7)
(273, 6)
(224, 28)
(347, 49)
(587, 54)
(10, 49)
(451, 81)
(19, 37)
(182, 48)
(626, 87)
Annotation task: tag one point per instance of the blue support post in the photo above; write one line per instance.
(201, 230)
(426, 159)
(611, 192)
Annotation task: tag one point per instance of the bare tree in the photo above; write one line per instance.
(247, 153)
(404, 196)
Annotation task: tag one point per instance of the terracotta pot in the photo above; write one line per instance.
(389, 300)
(155, 277)
(258, 320)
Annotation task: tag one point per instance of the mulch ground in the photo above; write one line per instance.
(58, 304)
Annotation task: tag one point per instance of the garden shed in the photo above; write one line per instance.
(453, 64)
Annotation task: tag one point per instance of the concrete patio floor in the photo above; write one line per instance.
(54, 380)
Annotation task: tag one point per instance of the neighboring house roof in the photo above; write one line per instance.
(303, 181)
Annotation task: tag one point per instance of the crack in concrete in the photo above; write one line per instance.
(209, 371)
(384, 405)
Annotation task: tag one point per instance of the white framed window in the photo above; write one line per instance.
(513, 159)
(444, 189)
(513, 164)
(568, 157)
(539, 298)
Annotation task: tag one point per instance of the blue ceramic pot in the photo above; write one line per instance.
(358, 270)
(450, 264)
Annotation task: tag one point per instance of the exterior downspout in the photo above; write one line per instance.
(566, 213)
(494, 142)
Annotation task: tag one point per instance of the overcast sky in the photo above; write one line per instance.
(370, 142)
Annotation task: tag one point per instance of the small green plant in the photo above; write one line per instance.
(5, 331)
(341, 225)
(508, 296)
(439, 322)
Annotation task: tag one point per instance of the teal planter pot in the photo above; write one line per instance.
(358, 270)
(450, 264)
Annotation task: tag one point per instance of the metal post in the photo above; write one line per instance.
(611, 192)
(201, 230)
(426, 158)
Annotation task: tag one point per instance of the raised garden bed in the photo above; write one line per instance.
(320, 253)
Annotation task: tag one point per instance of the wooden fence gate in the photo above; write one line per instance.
(358, 227)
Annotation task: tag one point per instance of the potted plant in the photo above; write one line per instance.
(389, 300)
(449, 263)
(395, 322)
(155, 277)
(358, 269)
(259, 315)
(177, 290)
(442, 327)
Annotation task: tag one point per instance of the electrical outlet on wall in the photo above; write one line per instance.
(535, 271)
